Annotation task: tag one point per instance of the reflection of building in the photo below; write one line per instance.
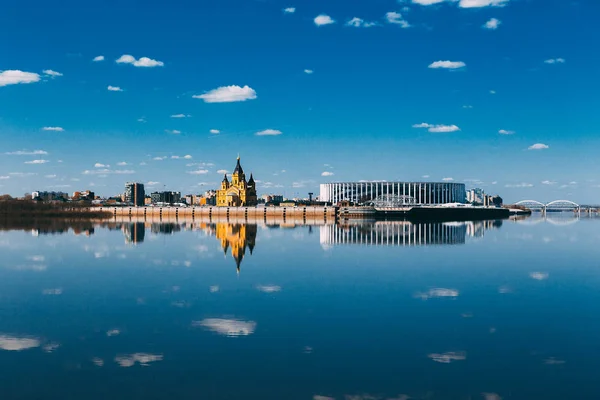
(167, 228)
(134, 232)
(238, 237)
(238, 192)
(478, 228)
(394, 233)
(134, 194)
(421, 192)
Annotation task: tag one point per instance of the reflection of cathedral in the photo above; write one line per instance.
(238, 192)
(237, 237)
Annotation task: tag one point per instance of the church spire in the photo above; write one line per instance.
(238, 168)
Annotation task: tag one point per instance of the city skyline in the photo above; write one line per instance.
(493, 93)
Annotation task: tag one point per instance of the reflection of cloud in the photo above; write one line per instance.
(447, 358)
(180, 304)
(113, 332)
(36, 258)
(504, 289)
(438, 292)
(50, 347)
(319, 397)
(52, 292)
(214, 289)
(227, 327)
(269, 288)
(32, 267)
(553, 361)
(491, 396)
(14, 343)
(144, 359)
(540, 276)
(98, 361)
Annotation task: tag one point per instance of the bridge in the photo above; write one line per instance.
(556, 205)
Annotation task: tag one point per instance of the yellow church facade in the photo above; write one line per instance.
(238, 192)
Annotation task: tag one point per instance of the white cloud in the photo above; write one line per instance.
(122, 164)
(448, 179)
(447, 64)
(269, 132)
(37, 162)
(27, 153)
(53, 128)
(144, 359)
(360, 23)
(3, 177)
(548, 183)
(422, 125)
(447, 358)
(393, 17)
(215, 131)
(519, 185)
(505, 132)
(142, 62)
(492, 24)
(22, 174)
(228, 94)
(198, 172)
(482, 3)
(157, 158)
(222, 171)
(438, 292)
(323, 19)
(539, 276)
(289, 10)
(227, 327)
(105, 171)
(98, 58)
(538, 146)
(14, 77)
(308, 71)
(180, 116)
(142, 119)
(187, 157)
(152, 183)
(425, 176)
(98, 165)
(443, 128)
(52, 73)
(467, 106)
(555, 61)
(427, 2)
(268, 288)
(173, 132)
(14, 343)
(114, 88)
(327, 173)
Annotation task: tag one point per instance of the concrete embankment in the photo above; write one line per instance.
(309, 214)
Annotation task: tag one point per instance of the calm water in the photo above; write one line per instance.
(192, 310)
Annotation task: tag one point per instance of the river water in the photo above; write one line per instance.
(388, 310)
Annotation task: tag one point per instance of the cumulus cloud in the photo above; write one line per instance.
(99, 165)
(289, 10)
(505, 132)
(482, 3)
(539, 276)
(548, 183)
(180, 116)
(142, 62)
(360, 23)
(323, 19)
(222, 171)
(519, 185)
(268, 288)
(15, 77)
(152, 183)
(427, 2)
(27, 153)
(492, 24)
(37, 162)
(4, 177)
(122, 163)
(308, 71)
(215, 131)
(173, 131)
(393, 17)
(98, 58)
(448, 179)
(227, 327)
(198, 172)
(269, 132)
(422, 125)
(187, 157)
(555, 61)
(228, 94)
(538, 146)
(53, 128)
(51, 73)
(438, 292)
(447, 358)
(144, 359)
(327, 173)
(114, 88)
(105, 171)
(15, 343)
(437, 128)
(447, 64)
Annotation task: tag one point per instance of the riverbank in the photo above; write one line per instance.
(27, 209)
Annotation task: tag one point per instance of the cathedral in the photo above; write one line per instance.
(238, 192)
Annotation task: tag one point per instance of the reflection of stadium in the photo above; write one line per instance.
(402, 233)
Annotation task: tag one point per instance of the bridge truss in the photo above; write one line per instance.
(556, 205)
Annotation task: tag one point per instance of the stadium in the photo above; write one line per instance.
(397, 193)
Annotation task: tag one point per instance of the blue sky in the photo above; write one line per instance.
(338, 101)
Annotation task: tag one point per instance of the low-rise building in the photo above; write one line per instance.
(165, 197)
(49, 196)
